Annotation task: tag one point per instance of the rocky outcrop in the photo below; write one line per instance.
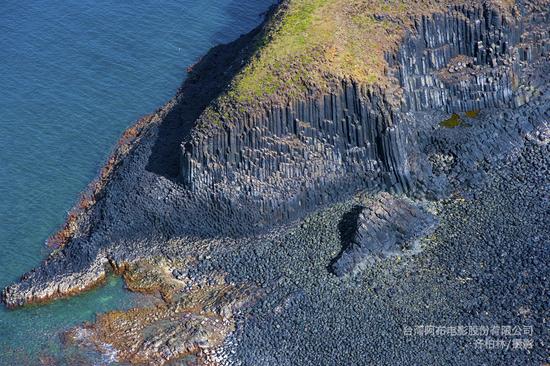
(276, 163)
(465, 59)
(386, 227)
(189, 327)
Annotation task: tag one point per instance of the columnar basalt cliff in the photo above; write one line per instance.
(218, 164)
(285, 160)
(279, 160)
(462, 60)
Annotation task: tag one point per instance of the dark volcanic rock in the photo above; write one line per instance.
(274, 163)
(387, 226)
(208, 199)
(184, 206)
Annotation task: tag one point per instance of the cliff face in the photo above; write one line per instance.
(282, 160)
(471, 58)
(206, 167)
(462, 60)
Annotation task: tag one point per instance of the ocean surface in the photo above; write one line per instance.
(73, 76)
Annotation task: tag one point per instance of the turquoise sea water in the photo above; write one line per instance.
(73, 76)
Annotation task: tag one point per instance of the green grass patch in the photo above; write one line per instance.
(308, 44)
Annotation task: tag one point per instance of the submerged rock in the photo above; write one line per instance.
(192, 324)
(388, 226)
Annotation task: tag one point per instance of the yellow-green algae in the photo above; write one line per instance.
(472, 114)
(452, 122)
(455, 120)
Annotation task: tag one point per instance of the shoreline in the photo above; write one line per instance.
(236, 228)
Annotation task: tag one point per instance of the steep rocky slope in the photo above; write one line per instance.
(327, 99)
(278, 160)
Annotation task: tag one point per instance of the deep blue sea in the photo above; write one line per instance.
(73, 75)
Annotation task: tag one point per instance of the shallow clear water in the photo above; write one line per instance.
(73, 76)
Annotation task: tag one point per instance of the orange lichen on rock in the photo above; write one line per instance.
(196, 321)
(147, 277)
(90, 196)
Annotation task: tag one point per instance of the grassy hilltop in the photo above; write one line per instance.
(306, 43)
